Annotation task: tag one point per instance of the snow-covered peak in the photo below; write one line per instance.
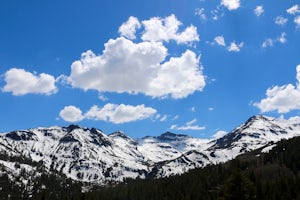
(89, 155)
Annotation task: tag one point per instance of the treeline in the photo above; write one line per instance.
(275, 175)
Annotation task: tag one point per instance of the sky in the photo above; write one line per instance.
(195, 67)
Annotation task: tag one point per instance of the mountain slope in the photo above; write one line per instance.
(89, 155)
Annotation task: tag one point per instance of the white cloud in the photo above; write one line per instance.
(220, 40)
(113, 113)
(259, 10)
(120, 113)
(282, 98)
(234, 47)
(271, 42)
(144, 67)
(128, 67)
(231, 4)
(163, 118)
(71, 114)
(21, 82)
(128, 29)
(193, 109)
(166, 29)
(188, 126)
(200, 12)
(219, 134)
(267, 43)
(293, 10)
(297, 21)
(282, 38)
(280, 20)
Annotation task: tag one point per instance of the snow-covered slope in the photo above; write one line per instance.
(89, 155)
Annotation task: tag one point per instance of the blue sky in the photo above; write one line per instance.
(145, 67)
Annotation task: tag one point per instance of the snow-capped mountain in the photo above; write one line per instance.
(89, 155)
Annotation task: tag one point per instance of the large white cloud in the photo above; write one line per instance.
(21, 82)
(142, 67)
(231, 4)
(166, 29)
(282, 99)
(114, 113)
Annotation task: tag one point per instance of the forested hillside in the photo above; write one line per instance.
(255, 175)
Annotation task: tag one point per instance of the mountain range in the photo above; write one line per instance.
(91, 156)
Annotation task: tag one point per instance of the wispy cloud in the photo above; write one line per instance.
(190, 125)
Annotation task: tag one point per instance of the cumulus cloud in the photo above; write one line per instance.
(113, 113)
(234, 47)
(282, 99)
(220, 40)
(71, 114)
(231, 4)
(166, 29)
(118, 114)
(128, 29)
(293, 10)
(142, 67)
(21, 82)
(188, 126)
(259, 10)
(279, 20)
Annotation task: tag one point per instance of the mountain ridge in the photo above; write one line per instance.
(91, 156)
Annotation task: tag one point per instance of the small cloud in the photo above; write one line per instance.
(271, 42)
(282, 38)
(102, 97)
(267, 43)
(234, 47)
(281, 21)
(259, 10)
(71, 114)
(220, 40)
(211, 109)
(293, 10)
(20, 82)
(175, 117)
(231, 4)
(193, 109)
(200, 12)
(163, 118)
(188, 126)
(297, 21)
